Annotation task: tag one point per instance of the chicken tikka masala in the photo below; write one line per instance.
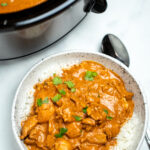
(83, 109)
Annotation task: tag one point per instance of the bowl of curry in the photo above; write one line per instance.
(79, 101)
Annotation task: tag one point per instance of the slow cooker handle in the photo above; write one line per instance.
(96, 6)
(99, 6)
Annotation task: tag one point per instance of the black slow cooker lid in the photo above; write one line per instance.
(34, 15)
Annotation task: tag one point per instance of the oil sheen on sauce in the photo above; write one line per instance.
(83, 109)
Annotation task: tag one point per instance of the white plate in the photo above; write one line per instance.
(53, 64)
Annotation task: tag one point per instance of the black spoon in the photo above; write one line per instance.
(112, 46)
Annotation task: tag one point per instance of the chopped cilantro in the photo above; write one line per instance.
(89, 75)
(77, 118)
(109, 118)
(40, 102)
(57, 80)
(62, 92)
(56, 98)
(61, 132)
(4, 4)
(85, 109)
(70, 84)
(106, 111)
(73, 90)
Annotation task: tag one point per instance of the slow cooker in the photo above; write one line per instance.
(31, 30)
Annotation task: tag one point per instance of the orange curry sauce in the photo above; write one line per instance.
(8, 6)
(83, 109)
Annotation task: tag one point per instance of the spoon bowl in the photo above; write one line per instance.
(112, 46)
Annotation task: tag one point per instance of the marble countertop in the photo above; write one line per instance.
(128, 19)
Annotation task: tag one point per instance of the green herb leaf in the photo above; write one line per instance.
(58, 135)
(109, 117)
(94, 74)
(70, 84)
(85, 109)
(57, 80)
(89, 75)
(73, 90)
(77, 118)
(62, 92)
(4, 4)
(39, 102)
(61, 132)
(106, 111)
(56, 98)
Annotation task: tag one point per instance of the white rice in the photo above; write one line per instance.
(128, 134)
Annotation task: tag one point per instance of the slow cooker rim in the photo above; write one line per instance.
(7, 23)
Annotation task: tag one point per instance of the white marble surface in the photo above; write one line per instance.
(128, 19)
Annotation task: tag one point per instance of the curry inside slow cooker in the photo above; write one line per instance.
(8, 6)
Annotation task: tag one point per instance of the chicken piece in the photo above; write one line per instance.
(39, 134)
(96, 112)
(121, 108)
(62, 144)
(50, 141)
(108, 89)
(128, 95)
(53, 126)
(67, 114)
(29, 141)
(28, 125)
(75, 142)
(111, 128)
(87, 127)
(66, 111)
(96, 137)
(74, 129)
(91, 99)
(124, 103)
(87, 146)
(88, 121)
(81, 114)
(79, 100)
(63, 100)
(33, 147)
(45, 112)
